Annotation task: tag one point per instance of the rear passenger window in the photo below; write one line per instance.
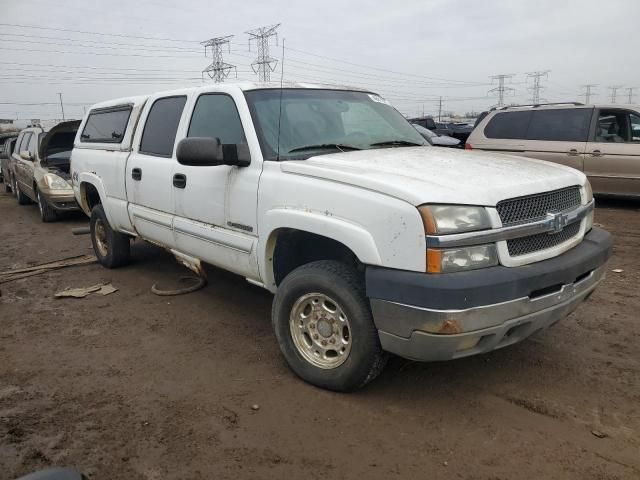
(161, 127)
(508, 125)
(560, 125)
(216, 116)
(106, 126)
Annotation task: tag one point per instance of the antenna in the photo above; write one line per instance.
(280, 107)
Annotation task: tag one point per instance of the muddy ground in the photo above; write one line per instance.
(136, 386)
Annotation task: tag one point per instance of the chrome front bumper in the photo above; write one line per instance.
(447, 334)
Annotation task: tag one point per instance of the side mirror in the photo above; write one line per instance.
(26, 155)
(208, 152)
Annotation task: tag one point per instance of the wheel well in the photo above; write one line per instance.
(90, 196)
(294, 248)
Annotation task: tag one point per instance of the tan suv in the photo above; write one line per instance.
(603, 141)
(39, 169)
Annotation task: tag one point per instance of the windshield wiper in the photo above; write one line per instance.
(396, 143)
(321, 146)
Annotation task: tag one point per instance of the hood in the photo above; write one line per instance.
(70, 127)
(436, 175)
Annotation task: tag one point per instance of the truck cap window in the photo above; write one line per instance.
(216, 116)
(106, 126)
(161, 126)
(317, 121)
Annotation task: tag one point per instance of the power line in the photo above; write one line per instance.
(264, 64)
(614, 92)
(219, 69)
(537, 86)
(630, 94)
(588, 93)
(501, 90)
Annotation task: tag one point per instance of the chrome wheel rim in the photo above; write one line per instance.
(320, 330)
(101, 238)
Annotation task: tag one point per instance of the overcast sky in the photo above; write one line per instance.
(412, 52)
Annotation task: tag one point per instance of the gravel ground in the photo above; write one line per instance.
(136, 386)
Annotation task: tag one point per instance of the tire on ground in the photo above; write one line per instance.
(111, 248)
(22, 198)
(365, 360)
(47, 214)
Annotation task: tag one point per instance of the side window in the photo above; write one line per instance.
(33, 144)
(24, 144)
(106, 126)
(161, 126)
(634, 121)
(508, 125)
(216, 115)
(617, 126)
(560, 125)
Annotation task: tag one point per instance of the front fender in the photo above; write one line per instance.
(352, 235)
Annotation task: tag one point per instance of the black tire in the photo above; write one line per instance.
(7, 185)
(47, 214)
(21, 197)
(111, 248)
(344, 286)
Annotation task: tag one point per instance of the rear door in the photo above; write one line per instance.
(149, 171)
(612, 160)
(559, 135)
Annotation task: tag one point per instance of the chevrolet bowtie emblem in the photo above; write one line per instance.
(557, 221)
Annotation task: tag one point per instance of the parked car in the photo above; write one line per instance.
(460, 131)
(327, 198)
(437, 140)
(7, 143)
(40, 169)
(603, 141)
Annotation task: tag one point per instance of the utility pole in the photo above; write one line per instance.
(440, 109)
(264, 64)
(501, 90)
(588, 93)
(630, 94)
(219, 69)
(537, 86)
(614, 92)
(61, 106)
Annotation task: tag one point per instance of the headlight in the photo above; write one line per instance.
(54, 182)
(587, 192)
(458, 259)
(443, 219)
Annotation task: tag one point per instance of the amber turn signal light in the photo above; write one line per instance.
(434, 260)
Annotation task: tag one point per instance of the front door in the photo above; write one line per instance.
(612, 160)
(149, 172)
(215, 209)
(24, 167)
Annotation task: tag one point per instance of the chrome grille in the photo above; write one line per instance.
(541, 241)
(530, 208)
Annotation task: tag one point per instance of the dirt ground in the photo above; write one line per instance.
(136, 386)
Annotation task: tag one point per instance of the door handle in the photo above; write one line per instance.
(136, 174)
(596, 153)
(179, 180)
(572, 152)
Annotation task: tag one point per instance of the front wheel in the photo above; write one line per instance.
(111, 248)
(47, 214)
(324, 327)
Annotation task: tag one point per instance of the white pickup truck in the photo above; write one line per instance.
(371, 241)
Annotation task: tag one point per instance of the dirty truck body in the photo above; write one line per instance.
(371, 241)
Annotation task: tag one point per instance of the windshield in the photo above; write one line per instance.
(316, 122)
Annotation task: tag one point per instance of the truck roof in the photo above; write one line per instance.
(223, 87)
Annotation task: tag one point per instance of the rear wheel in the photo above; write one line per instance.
(324, 326)
(7, 184)
(47, 214)
(111, 248)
